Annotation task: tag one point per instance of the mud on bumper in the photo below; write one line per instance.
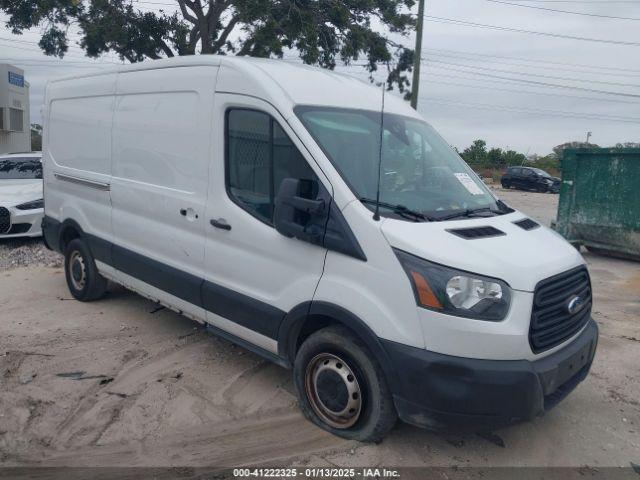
(435, 390)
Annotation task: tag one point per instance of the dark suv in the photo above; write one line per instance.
(529, 178)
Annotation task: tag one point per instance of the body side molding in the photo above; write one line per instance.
(83, 181)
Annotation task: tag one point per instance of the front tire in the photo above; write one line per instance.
(341, 387)
(83, 279)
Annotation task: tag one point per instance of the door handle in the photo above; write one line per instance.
(220, 223)
(183, 212)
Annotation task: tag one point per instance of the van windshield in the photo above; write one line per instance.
(420, 173)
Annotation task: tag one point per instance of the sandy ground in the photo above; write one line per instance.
(121, 382)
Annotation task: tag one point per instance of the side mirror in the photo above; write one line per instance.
(299, 212)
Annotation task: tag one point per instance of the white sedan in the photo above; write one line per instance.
(21, 198)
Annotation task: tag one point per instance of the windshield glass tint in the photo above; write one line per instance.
(420, 171)
(20, 168)
(542, 173)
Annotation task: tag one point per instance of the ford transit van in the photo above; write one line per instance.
(280, 205)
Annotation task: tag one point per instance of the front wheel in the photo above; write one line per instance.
(341, 387)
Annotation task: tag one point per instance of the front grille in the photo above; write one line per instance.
(473, 233)
(19, 228)
(551, 321)
(5, 220)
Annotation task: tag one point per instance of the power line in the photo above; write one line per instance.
(636, 2)
(175, 4)
(461, 57)
(534, 61)
(29, 42)
(38, 50)
(48, 65)
(524, 92)
(542, 112)
(35, 44)
(564, 11)
(521, 92)
(545, 84)
(539, 75)
(546, 88)
(453, 21)
(50, 61)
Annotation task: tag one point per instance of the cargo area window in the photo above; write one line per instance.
(259, 155)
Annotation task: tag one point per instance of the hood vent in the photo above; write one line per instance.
(527, 224)
(476, 232)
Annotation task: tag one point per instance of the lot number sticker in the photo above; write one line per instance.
(469, 184)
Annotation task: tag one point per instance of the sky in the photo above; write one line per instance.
(522, 91)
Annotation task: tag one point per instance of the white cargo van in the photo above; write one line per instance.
(277, 204)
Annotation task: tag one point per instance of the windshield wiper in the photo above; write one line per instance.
(469, 212)
(398, 209)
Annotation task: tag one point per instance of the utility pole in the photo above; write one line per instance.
(415, 84)
(588, 137)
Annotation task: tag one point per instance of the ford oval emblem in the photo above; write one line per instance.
(574, 304)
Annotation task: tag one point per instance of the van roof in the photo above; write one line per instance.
(297, 83)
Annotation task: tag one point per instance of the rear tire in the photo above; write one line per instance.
(83, 279)
(342, 388)
(506, 185)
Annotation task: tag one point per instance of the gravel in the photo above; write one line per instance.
(24, 252)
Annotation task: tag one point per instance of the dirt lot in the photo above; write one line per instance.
(121, 382)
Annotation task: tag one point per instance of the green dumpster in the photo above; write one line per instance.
(599, 203)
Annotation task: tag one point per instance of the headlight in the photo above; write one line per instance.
(31, 205)
(456, 292)
(549, 181)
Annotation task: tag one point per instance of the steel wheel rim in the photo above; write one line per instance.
(77, 270)
(343, 413)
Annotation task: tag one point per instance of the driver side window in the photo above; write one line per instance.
(259, 155)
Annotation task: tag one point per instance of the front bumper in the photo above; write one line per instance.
(24, 223)
(434, 390)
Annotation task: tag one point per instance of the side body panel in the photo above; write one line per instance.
(253, 264)
(161, 154)
(77, 152)
(376, 291)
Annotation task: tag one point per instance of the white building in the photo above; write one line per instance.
(15, 127)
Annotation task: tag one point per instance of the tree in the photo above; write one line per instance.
(322, 32)
(476, 154)
(511, 157)
(36, 137)
(549, 163)
(494, 158)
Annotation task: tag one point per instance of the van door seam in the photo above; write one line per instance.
(315, 290)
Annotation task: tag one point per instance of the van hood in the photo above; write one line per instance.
(520, 257)
(15, 192)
